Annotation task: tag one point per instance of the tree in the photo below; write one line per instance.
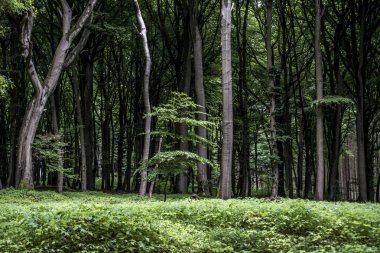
(226, 162)
(148, 119)
(63, 56)
(200, 94)
(168, 160)
(271, 86)
(319, 83)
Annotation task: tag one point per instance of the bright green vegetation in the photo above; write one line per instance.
(33, 221)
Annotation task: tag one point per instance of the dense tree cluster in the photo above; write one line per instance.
(286, 96)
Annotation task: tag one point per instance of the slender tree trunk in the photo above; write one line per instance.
(244, 154)
(182, 182)
(54, 119)
(3, 144)
(83, 163)
(272, 110)
(319, 82)
(151, 187)
(360, 116)
(337, 121)
(88, 148)
(227, 146)
(200, 98)
(309, 164)
(148, 119)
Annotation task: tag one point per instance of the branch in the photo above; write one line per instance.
(66, 17)
(26, 33)
(86, 14)
(78, 48)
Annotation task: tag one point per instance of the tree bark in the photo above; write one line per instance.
(85, 69)
(200, 98)
(319, 189)
(54, 119)
(148, 119)
(227, 146)
(272, 110)
(83, 163)
(244, 150)
(182, 182)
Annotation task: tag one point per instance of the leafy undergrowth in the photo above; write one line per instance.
(33, 221)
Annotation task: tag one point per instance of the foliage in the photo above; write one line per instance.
(15, 6)
(180, 109)
(333, 100)
(50, 149)
(5, 83)
(95, 222)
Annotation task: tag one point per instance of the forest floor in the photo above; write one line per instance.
(32, 221)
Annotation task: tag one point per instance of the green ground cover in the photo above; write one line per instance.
(32, 221)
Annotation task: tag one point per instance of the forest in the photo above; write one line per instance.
(244, 116)
(258, 98)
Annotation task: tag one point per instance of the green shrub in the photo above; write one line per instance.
(33, 221)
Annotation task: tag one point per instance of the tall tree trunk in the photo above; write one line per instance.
(86, 106)
(272, 110)
(200, 98)
(227, 146)
(319, 83)
(244, 151)
(54, 119)
(148, 119)
(360, 108)
(182, 181)
(337, 117)
(81, 126)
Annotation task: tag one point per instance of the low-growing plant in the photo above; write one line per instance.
(33, 221)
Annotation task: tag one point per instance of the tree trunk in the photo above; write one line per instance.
(54, 119)
(81, 126)
(244, 151)
(272, 110)
(88, 147)
(227, 146)
(319, 82)
(148, 119)
(200, 98)
(337, 117)
(182, 181)
(151, 187)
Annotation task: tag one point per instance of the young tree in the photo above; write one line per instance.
(63, 57)
(226, 163)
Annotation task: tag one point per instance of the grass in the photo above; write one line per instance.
(32, 221)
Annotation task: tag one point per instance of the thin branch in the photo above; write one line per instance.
(86, 14)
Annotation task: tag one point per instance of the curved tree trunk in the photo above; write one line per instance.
(24, 171)
(148, 119)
